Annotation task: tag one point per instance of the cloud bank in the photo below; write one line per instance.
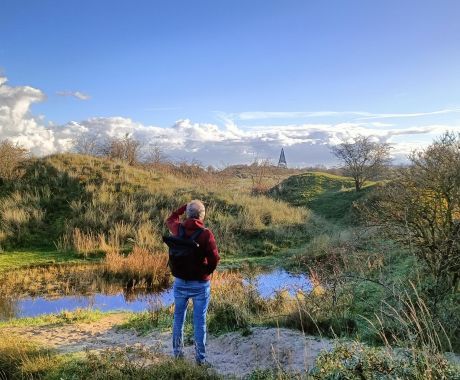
(226, 143)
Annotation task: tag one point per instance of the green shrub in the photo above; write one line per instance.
(227, 316)
(355, 361)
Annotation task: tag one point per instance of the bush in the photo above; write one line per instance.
(421, 209)
(11, 158)
(322, 313)
(355, 361)
(226, 316)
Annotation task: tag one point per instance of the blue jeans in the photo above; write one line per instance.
(200, 293)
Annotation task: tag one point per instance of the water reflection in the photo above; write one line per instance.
(8, 308)
(268, 283)
(112, 297)
(29, 307)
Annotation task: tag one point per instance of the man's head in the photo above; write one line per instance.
(195, 209)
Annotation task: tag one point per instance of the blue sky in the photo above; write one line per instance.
(246, 65)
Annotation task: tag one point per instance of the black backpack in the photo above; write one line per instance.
(185, 259)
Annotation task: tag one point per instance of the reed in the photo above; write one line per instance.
(141, 266)
(85, 243)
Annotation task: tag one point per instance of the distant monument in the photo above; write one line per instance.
(282, 161)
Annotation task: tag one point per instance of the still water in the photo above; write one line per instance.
(267, 285)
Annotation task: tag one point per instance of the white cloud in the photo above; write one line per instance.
(16, 122)
(260, 115)
(359, 115)
(305, 144)
(75, 94)
(408, 115)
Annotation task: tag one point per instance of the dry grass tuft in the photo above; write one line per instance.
(139, 265)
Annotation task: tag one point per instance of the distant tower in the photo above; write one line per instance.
(282, 161)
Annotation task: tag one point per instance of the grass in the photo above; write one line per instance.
(328, 195)
(88, 204)
(142, 323)
(62, 318)
(23, 359)
(29, 258)
(139, 266)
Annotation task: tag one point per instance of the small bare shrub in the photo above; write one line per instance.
(11, 157)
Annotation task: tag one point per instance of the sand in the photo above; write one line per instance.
(229, 354)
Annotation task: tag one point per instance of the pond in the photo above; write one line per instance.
(95, 294)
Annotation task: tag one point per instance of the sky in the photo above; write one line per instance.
(230, 81)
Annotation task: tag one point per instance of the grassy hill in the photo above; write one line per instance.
(90, 204)
(328, 195)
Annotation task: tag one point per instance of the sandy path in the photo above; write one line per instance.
(230, 354)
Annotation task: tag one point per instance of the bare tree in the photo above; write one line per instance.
(11, 156)
(421, 208)
(154, 155)
(260, 170)
(364, 159)
(125, 148)
(87, 144)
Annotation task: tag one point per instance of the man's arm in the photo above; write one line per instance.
(173, 220)
(212, 254)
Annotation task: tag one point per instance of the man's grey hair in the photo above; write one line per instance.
(195, 209)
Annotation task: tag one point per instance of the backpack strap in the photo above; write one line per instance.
(196, 234)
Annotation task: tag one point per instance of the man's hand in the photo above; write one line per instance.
(181, 210)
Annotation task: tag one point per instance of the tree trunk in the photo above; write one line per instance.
(357, 185)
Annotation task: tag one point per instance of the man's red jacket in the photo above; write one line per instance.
(206, 241)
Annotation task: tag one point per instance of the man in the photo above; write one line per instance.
(193, 281)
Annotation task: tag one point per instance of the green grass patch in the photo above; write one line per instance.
(328, 195)
(62, 318)
(29, 258)
(146, 321)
